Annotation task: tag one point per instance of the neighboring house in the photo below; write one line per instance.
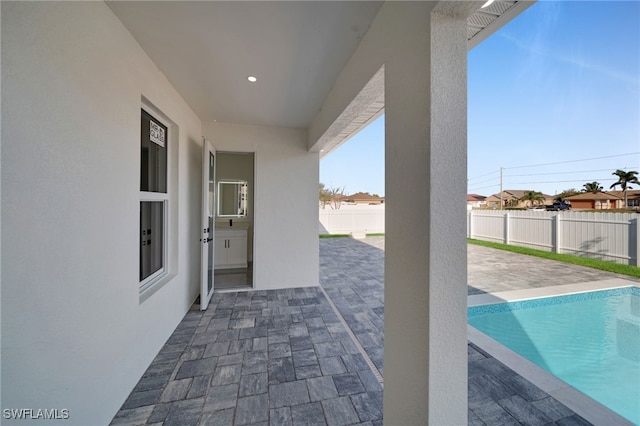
(633, 198)
(513, 198)
(597, 201)
(363, 198)
(84, 171)
(476, 201)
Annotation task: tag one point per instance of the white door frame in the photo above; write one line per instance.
(207, 233)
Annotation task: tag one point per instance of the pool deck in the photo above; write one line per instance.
(314, 355)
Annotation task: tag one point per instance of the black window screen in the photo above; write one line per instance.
(151, 235)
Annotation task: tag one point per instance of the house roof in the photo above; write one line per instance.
(517, 194)
(595, 196)
(362, 196)
(475, 197)
(631, 194)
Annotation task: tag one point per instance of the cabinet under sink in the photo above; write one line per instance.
(230, 248)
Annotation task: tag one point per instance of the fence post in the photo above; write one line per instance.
(506, 227)
(637, 242)
(556, 243)
(469, 226)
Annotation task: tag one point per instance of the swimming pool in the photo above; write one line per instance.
(589, 340)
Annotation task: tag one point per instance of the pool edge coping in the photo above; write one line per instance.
(541, 292)
(577, 401)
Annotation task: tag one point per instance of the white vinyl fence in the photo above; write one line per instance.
(613, 237)
(355, 220)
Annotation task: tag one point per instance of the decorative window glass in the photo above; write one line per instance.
(154, 200)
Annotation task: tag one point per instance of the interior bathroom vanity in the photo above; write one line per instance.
(231, 239)
(231, 248)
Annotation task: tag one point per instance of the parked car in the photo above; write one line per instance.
(561, 205)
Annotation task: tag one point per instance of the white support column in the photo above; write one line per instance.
(425, 352)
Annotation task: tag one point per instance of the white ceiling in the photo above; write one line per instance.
(207, 49)
(296, 49)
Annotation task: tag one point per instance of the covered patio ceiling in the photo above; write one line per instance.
(296, 50)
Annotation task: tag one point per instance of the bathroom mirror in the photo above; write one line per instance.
(232, 198)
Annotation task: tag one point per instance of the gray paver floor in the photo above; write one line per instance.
(491, 270)
(255, 358)
(283, 357)
(352, 273)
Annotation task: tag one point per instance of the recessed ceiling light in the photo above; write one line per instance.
(252, 79)
(487, 4)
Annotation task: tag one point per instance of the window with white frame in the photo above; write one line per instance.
(154, 199)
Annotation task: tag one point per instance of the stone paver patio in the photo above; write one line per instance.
(260, 357)
(285, 357)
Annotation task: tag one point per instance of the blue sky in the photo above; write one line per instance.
(558, 84)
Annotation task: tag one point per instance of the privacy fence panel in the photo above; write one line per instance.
(534, 229)
(487, 225)
(607, 236)
(352, 220)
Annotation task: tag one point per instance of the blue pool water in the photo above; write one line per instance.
(589, 340)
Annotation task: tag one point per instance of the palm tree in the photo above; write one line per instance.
(592, 187)
(534, 196)
(624, 179)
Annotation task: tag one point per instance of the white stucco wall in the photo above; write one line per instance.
(286, 250)
(74, 334)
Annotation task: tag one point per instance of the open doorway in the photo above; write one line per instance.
(233, 259)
